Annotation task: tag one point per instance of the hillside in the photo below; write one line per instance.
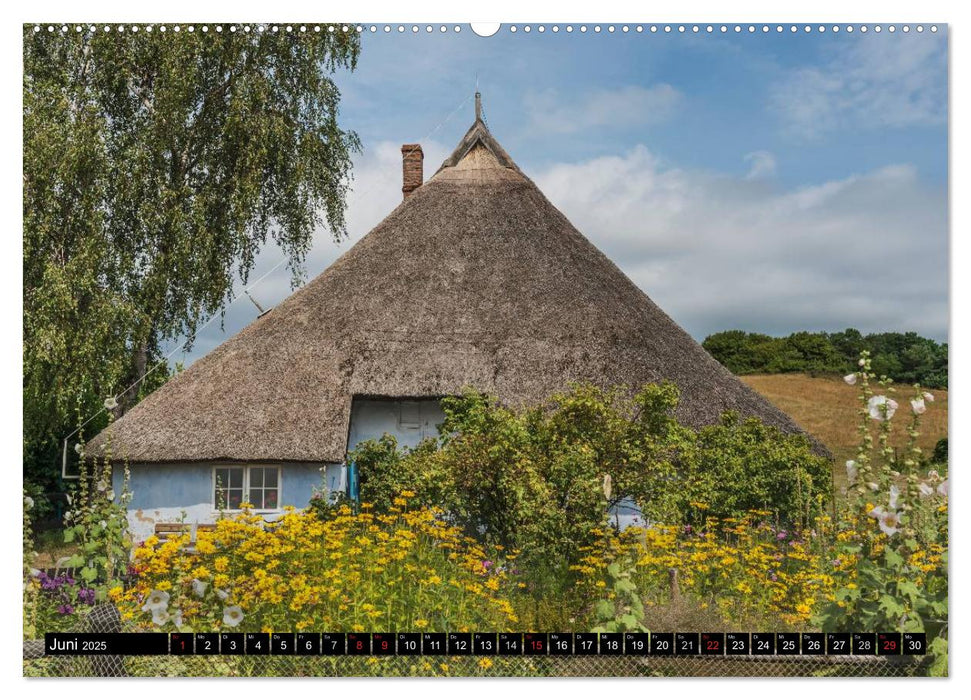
(827, 408)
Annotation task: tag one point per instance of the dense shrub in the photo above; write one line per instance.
(534, 480)
(540, 480)
(739, 466)
(904, 357)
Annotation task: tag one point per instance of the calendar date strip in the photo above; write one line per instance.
(684, 644)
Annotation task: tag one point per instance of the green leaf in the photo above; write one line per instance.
(604, 609)
(890, 606)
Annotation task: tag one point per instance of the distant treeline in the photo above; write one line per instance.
(904, 357)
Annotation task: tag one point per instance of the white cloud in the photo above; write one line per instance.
(870, 82)
(762, 165)
(633, 105)
(718, 252)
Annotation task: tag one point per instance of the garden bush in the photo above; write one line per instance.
(739, 466)
(541, 480)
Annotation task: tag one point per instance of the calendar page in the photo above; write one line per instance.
(437, 349)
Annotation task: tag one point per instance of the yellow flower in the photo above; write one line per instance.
(485, 662)
(421, 623)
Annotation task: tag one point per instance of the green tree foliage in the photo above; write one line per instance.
(542, 479)
(156, 166)
(907, 358)
(741, 465)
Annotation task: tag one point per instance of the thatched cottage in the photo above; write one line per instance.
(475, 279)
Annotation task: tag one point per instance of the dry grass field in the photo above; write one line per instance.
(827, 408)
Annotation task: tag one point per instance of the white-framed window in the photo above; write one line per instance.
(235, 484)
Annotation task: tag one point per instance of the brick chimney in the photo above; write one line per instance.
(412, 168)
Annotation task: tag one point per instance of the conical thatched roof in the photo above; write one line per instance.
(476, 279)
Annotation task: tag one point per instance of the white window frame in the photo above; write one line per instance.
(246, 488)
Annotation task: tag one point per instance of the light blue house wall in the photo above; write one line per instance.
(410, 421)
(161, 493)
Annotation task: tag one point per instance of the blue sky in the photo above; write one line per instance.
(770, 182)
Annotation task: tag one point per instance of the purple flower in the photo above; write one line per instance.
(87, 596)
(782, 535)
(486, 564)
(687, 529)
(65, 609)
(774, 577)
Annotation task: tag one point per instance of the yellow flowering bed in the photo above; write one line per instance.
(405, 570)
(744, 569)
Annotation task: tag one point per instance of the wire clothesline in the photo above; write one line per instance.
(218, 314)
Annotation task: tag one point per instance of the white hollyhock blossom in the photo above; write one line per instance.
(850, 379)
(221, 594)
(929, 397)
(925, 489)
(917, 406)
(876, 407)
(160, 617)
(888, 520)
(861, 362)
(199, 587)
(894, 495)
(851, 470)
(942, 488)
(873, 486)
(232, 615)
(932, 474)
(157, 600)
(177, 617)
